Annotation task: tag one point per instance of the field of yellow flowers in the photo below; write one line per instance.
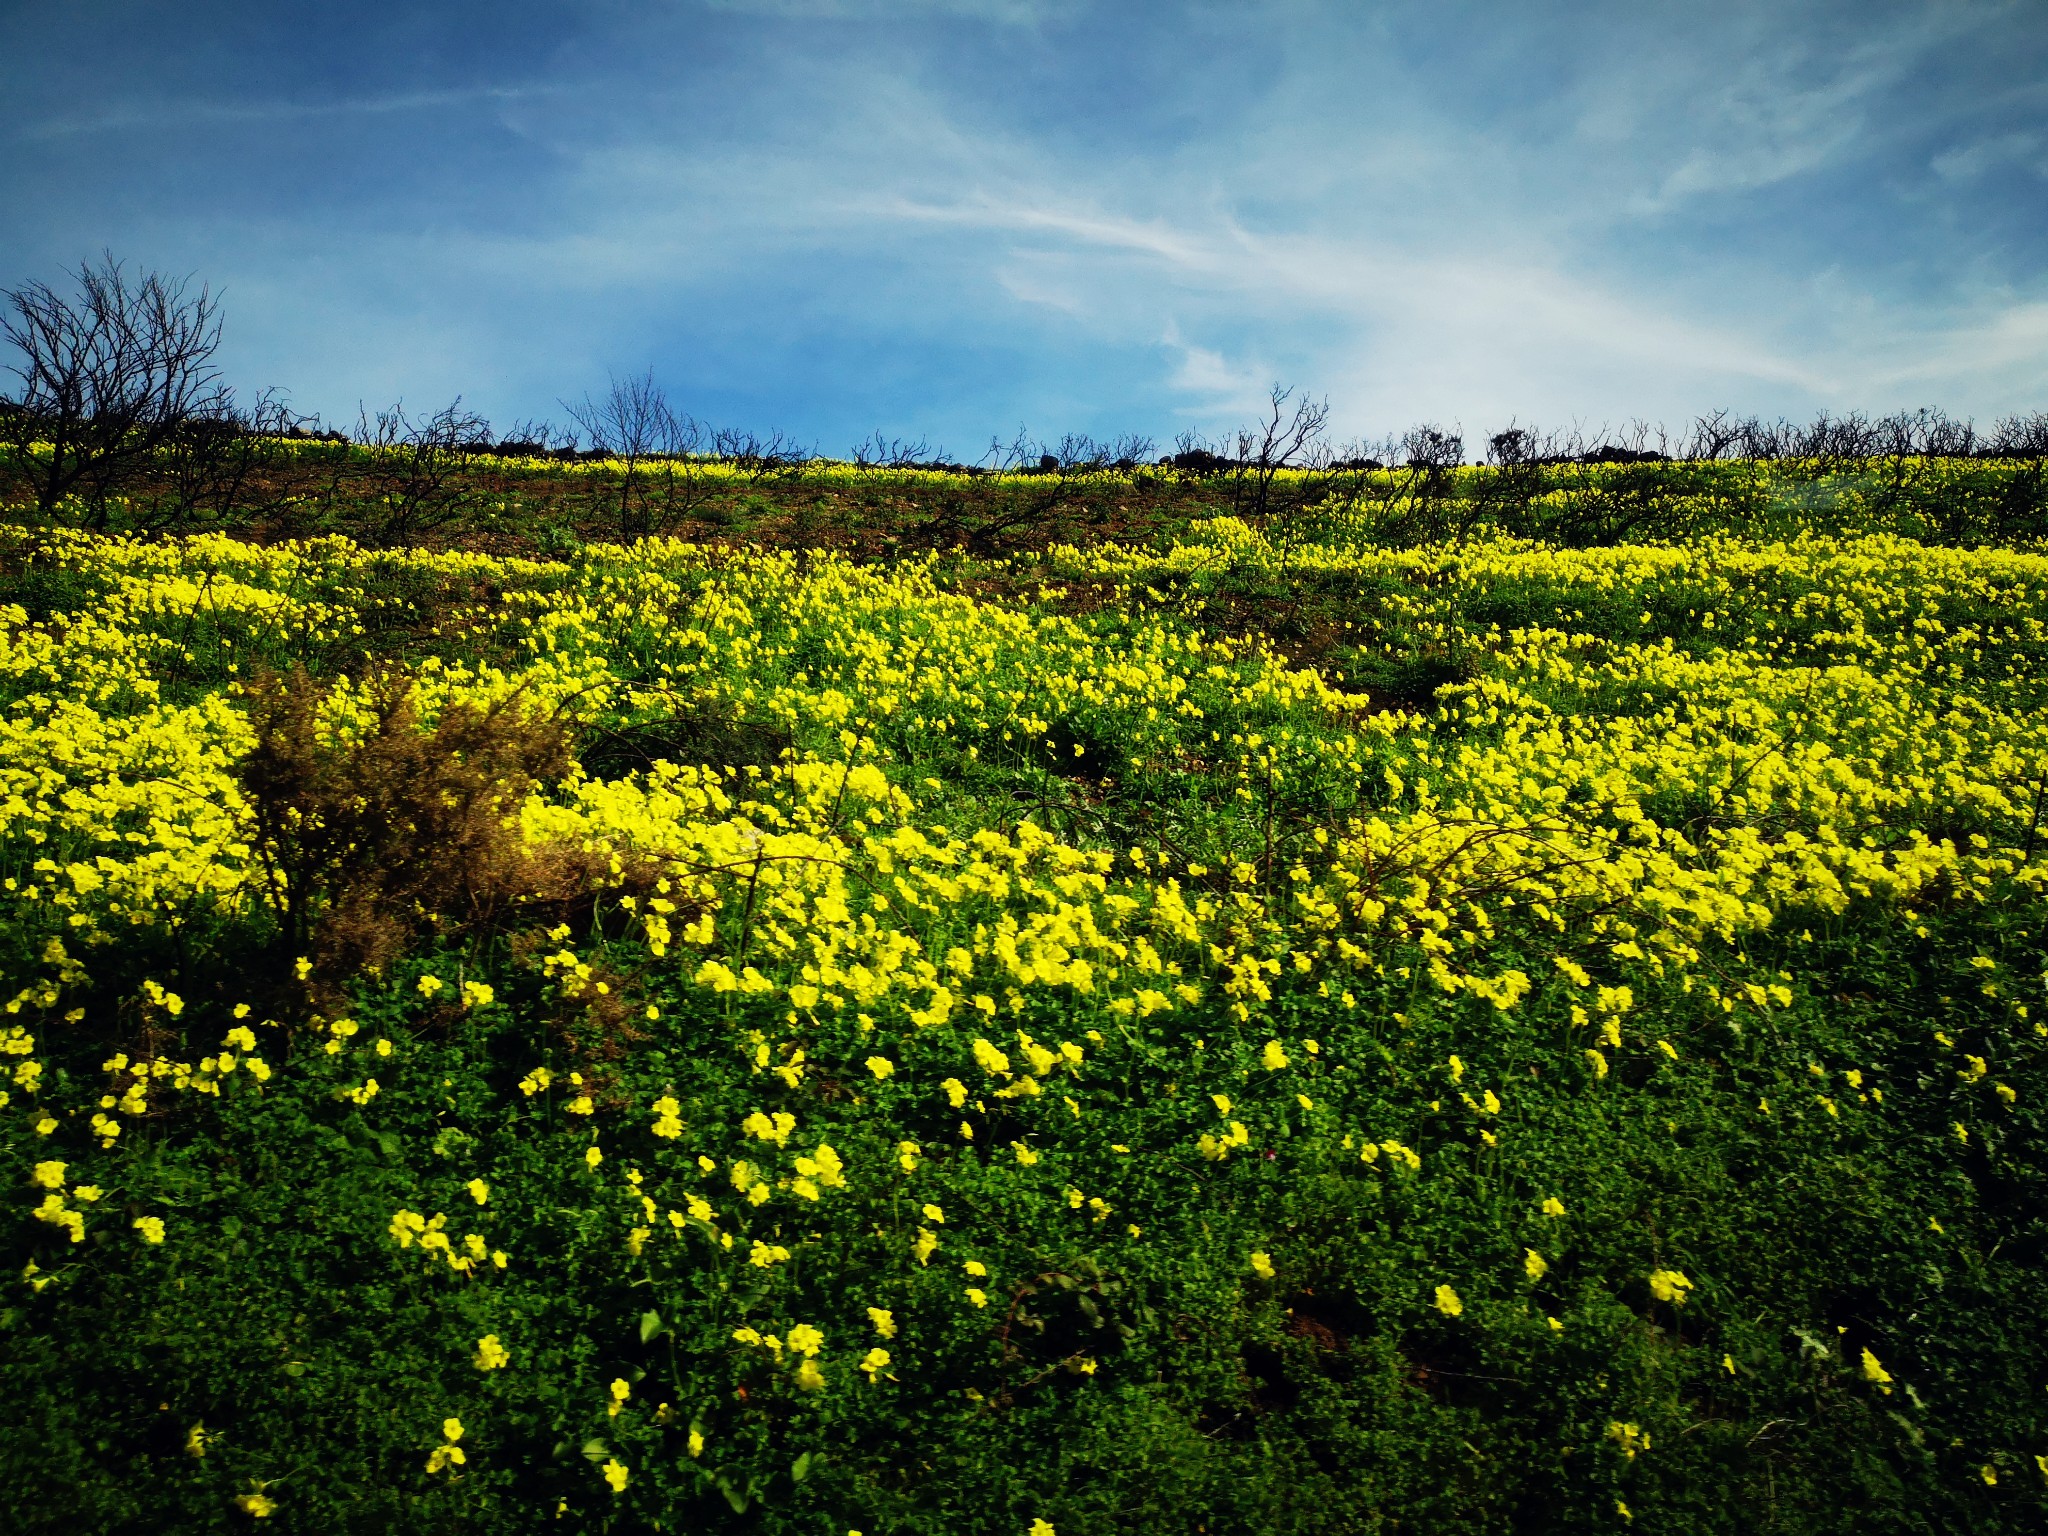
(676, 1038)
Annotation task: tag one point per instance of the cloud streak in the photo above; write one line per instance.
(202, 114)
(1008, 12)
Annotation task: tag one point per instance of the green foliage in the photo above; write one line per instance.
(1346, 1250)
(324, 1358)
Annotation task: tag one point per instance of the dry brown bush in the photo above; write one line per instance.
(367, 845)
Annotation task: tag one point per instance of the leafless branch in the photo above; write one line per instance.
(107, 377)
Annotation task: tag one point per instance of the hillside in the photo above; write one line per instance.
(907, 1001)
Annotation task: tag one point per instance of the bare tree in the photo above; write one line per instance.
(416, 466)
(2024, 438)
(632, 422)
(1518, 456)
(1432, 451)
(679, 486)
(1128, 451)
(1429, 454)
(879, 452)
(1282, 440)
(1713, 435)
(225, 461)
(108, 377)
(775, 456)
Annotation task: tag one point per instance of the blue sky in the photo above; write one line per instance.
(956, 217)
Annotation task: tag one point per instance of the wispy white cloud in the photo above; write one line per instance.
(1032, 283)
(992, 210)
(1504, 330)
(2002, 345)
(1718, 102)
(1011, 12)
(1364, 211)
(2029, 148)
(1767, 124)
(1212, 386)
(192, 113)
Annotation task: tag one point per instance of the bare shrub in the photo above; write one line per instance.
(774, 456)
(2021, 437)
(665, 457)
(368, 842)
(877, 451)
(2022, 499)
(1040, 483)
(225, 463)
(1283, 439)
(417, 468)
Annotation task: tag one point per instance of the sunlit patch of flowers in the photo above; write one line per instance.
(974, 998)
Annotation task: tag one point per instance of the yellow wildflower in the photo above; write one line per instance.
(1670, 1285)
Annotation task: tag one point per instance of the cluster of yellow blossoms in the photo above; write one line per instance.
(1853, 701)
(1859, 726)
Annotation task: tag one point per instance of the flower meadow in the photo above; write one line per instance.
(1241, 1034)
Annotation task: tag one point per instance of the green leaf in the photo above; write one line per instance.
(801, 1468)
(650, 1325)
(452, 1140)
(595, 1450)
